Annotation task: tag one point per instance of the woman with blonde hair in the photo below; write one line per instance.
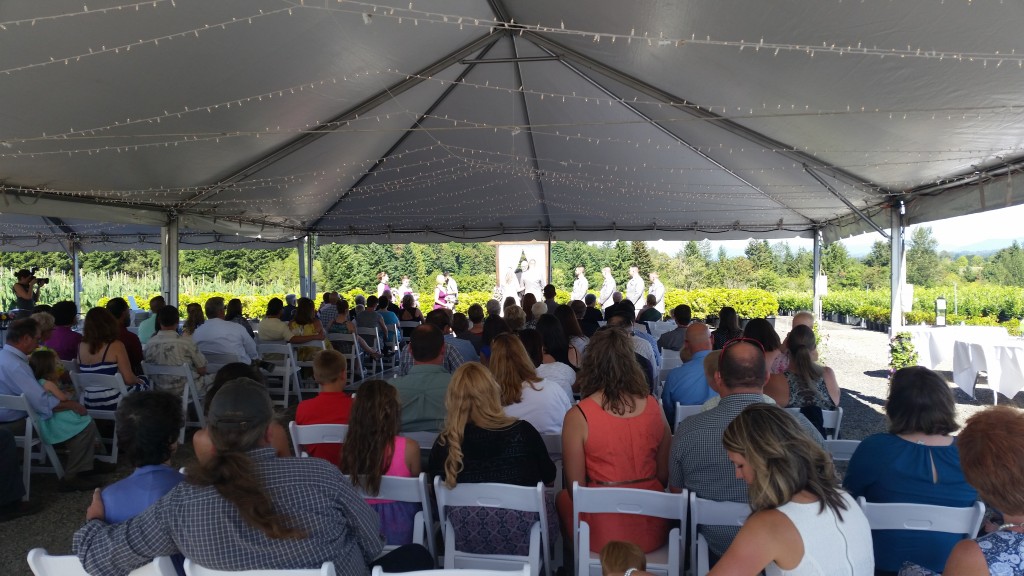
(801, 522)
(616, 436)
(440, 294)
(480, 443)
(524, 394)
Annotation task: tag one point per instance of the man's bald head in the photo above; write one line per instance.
(698, 338)
(803, 318)
(741, 367)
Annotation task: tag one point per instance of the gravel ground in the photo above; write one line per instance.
(858, 356)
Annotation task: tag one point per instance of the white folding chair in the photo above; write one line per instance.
(905, 516)
(392, 341)
(424, 439)
(189, 393)
(710, 513)
(303, 434)
(830, 420)
(193, 569)
(490, 495)
(413, 490)
(284, 369)
(842, 450)
(299, 364)
(372, 338)
(683, 412)
(214, 362)
(666, 560)
(524, 571)
(33, 447)
(349, 348)
(84, 382)
(671, 361)
(553, 442)
(43, 564)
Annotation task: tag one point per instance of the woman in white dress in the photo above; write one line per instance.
(510, 285)
(802, 524)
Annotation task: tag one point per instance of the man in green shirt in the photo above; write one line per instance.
(423, 389)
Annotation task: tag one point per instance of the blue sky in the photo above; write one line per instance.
(996, 227)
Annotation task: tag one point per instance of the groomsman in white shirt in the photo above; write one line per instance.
(657, 290)
(580, 285)
(607, 288)
(635, 288)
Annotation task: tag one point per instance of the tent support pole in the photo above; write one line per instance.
(300, 246)
(76, 266)
(897, 268)
(310, 253)
(169, 261)
(816, 305)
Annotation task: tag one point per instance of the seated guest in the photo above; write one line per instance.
(64, 340)
(234, 313)
(922, 466)
(591, 317)
(615, 436)
(17, 378)
(549, 299)
(410, 313)
(148, 327)
(442, 320)
(244, 509)
(475, 313)
(331, 406)
(509, 301)
(547, 367)
(423, 389)
(371, 318)
(328, 309)
(674, 339)
(218, 336)
(992, 457)
(102, 353)
(619, 303)
(687, 384)
(529, 299)
(289, 308)
(202, 444)
(480, 443)
(167, 348)
(493, 326)
(274, 328)
(515, 317)
(524, 394)
(386, 301)
(802, 523)
(193, 319)
(619, 557)
(453, 357)
(494, 307)
(710, 367)
(147, 433)
(572, 330)
(649, 313)
(556, 344)
(728, 327)
(539, 309)
(462, 329)
(373, 449)
(805, 383)
(120, 310)
(623, 320)
(762, 330)
(306, 327)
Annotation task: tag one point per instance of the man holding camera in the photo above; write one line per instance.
(26, 290)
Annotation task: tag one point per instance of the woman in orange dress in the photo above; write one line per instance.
(617, 436)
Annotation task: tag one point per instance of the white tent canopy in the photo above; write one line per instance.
(435, 120)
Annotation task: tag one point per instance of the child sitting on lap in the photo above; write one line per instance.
(64, 424)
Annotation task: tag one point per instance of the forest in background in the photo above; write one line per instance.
(982, 283)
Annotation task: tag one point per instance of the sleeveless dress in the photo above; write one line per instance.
(622, 453)
(396, 518)
(441, 296)
(102, 397)
(832, 547)
(1002, 551)
(800, 397)
(62, 425)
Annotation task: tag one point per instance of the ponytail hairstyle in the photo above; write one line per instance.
(783, 458)
(370, 442)
(473, 396)
(238, 421)
(801, 364)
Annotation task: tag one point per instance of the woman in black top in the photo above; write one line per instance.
(479, 443)
(728, 327)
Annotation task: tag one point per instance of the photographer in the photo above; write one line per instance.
(26, 290)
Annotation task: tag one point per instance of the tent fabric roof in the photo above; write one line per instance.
(436, 120)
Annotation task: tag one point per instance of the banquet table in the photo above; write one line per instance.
(1000, 359)
(934, 344)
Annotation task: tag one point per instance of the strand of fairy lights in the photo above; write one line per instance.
(85, 10)
(401, 14)
(660, 40)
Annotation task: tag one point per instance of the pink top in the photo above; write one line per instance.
(397, 468)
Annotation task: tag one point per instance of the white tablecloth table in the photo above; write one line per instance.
(1000, 359)
(934, 345)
